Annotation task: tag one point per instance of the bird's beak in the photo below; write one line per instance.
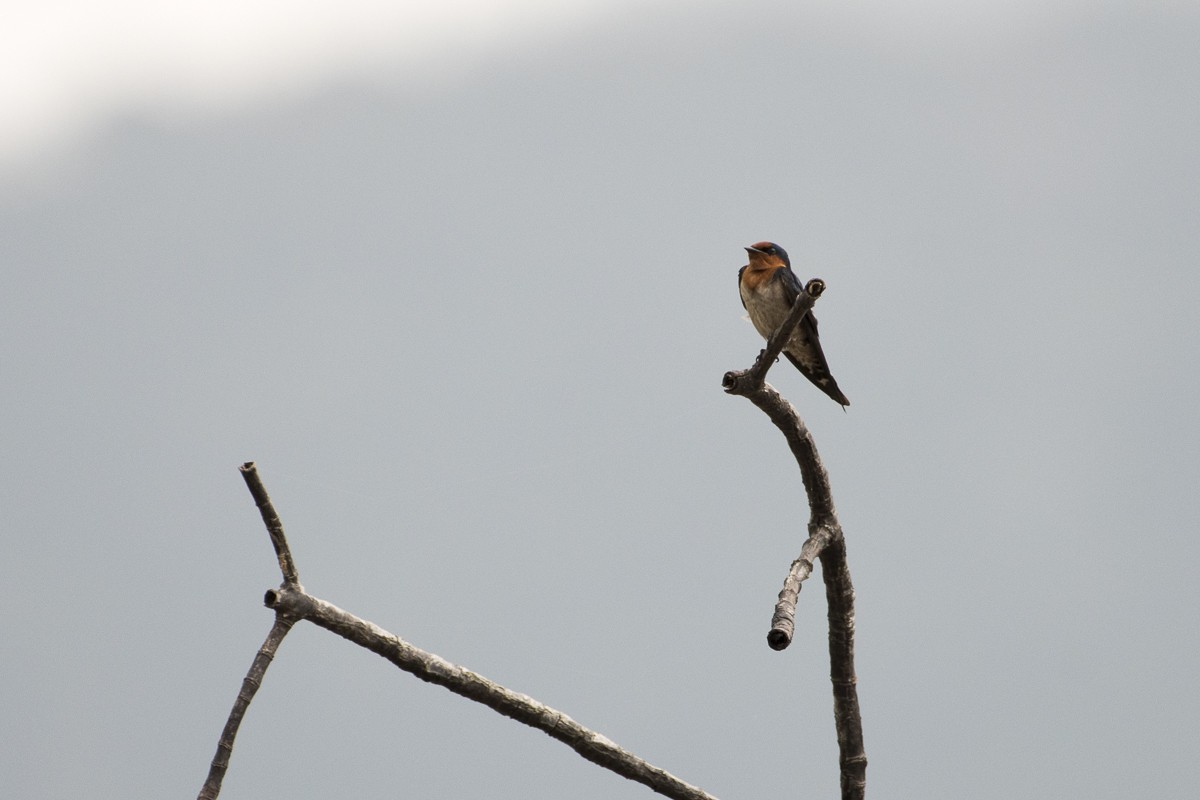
(755, 250)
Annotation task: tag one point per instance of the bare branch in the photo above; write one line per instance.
(804, 449)
(291, 604)
(250, 684)
(825, 541)
(783, 622)
(839, 593)
(434, 669)
(272, 521)
(749, 384)
(266, 653)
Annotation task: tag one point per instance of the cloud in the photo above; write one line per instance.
(65, 66)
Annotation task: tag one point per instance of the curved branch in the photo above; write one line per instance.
(250, 685)
(825, 541)
(271, 519)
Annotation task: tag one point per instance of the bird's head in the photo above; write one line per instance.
(767, 255)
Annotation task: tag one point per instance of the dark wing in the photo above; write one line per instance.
(791, 285)
(817, 371)
(807, 329)
(806, 354)
(740, 271)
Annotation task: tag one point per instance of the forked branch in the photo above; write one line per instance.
(291, 604)
(266, 653)
(825, 541)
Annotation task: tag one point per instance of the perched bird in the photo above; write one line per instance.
(769, 288)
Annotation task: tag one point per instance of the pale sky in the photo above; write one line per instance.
(67, 67)
(462, 283)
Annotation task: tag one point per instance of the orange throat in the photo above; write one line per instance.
(758, 274)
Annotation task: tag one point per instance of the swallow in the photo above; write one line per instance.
(769, 288)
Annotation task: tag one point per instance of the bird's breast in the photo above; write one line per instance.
(765, 303)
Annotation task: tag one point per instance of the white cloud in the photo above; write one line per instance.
(66, 64)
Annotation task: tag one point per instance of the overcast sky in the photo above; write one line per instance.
(461, 282)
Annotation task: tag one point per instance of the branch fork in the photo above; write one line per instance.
(292, 604)
(825, 542)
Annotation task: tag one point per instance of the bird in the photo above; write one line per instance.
(769, 288)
